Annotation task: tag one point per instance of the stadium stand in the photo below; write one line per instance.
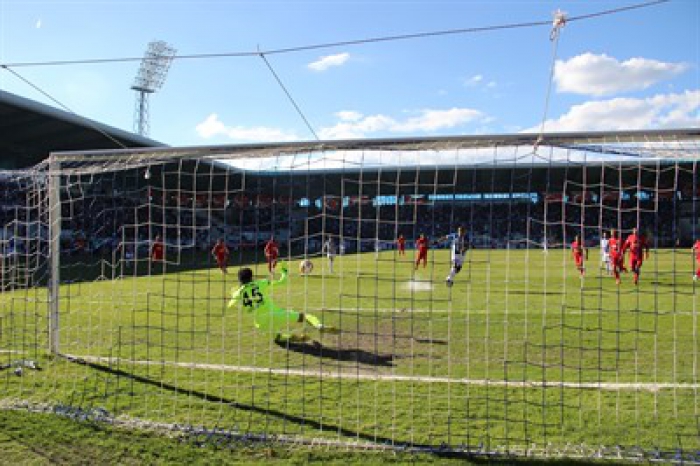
(299, 204)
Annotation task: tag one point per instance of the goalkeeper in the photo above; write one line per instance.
(256, 296)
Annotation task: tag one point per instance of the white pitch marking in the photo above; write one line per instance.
(611, 386)
(413, 285)
(498, 312)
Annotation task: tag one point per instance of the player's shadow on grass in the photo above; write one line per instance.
(338, 354)
(265, 409)
(371, 437)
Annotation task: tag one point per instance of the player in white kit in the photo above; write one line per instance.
(330, 248)
(459, 246)
(605, 253)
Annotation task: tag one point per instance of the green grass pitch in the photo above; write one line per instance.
(519, 352)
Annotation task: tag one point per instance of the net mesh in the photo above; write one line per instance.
(520, 353)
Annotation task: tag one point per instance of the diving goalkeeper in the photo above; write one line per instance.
(256, 296)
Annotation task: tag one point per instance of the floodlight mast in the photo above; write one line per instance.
(151, 76)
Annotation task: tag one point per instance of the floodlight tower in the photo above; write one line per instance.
(151, 76)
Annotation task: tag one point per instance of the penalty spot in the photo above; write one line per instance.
(414, 285)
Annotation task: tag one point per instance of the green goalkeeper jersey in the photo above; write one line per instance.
(256, 296)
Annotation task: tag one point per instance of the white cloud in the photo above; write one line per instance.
(349, 115)
(660, 111)
(323, 63)
(426, 121)
(38, 23)
(357, 129)
(433, 120)
(212, 126)
(601, 75)
(474, 80)
(350, 125)
(480, 82)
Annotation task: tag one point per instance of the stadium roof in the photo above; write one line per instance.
(479, 151)
(30, 131)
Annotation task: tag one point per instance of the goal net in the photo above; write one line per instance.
(441, 294)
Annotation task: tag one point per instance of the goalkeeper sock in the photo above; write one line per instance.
(313, 320)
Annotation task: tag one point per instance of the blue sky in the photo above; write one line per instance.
(633, 70)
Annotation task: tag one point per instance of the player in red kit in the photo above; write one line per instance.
(221, 252)
(272, 252)
(157, 251)
(616, 255)
(401, 244)
(579, 251)
(696, 250)
(422, 246)
(639, 250)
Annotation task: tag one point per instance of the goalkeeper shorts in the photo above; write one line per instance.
(276, 320)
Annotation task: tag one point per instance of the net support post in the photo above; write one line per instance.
(54, 194)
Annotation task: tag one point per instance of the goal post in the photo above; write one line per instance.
(384, 294)
(54, 201)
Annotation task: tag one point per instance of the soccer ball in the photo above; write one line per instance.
(306, 267)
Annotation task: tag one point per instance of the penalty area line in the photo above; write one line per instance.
(607, 386)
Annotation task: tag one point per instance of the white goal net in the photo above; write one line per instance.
(470, 295)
